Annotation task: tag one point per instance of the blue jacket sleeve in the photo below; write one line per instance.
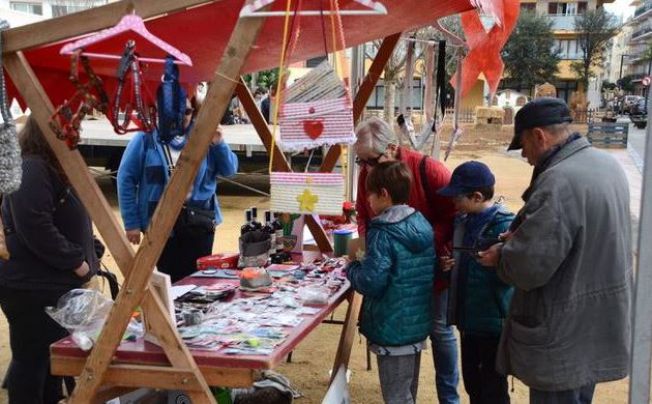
(226, 162)
(370, 276)
(130, 174)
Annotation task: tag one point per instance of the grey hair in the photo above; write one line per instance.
(374, 134)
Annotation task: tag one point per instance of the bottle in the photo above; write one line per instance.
(268, 228)
(254, 219)
(278, 229)
(247, 226)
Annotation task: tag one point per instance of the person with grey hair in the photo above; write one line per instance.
(568, 255)
(377, 143)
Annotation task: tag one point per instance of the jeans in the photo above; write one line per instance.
(179, 256)
(482, 383)
(399, 378)
(31, 331)
(444, 352)
(582, 395)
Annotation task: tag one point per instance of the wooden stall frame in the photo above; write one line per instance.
(183, 374)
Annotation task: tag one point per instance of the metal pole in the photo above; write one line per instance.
(639, 382)
(357, 75)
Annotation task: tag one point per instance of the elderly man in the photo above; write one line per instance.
(376, 143)
(568, 254)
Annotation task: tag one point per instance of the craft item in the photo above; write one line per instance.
(225, 260)
(192, 317)
(171, 101)
(307, 193)
(341, 239)
(11, 171)
(317, 111)
(254, 249)
(254, 278)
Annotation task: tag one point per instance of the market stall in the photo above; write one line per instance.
(39, 74)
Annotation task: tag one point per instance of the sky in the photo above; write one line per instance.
(621, 8)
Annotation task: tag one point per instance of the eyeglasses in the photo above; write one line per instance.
(370, 162)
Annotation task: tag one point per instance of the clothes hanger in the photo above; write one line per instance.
(372, 7)
(130, 22)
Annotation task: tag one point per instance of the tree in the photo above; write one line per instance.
(595, 28)
(530, 56)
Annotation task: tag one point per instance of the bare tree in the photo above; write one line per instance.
(594, 28)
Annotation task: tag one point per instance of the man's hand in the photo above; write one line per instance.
(218, 135)
(446, 263)
(506, 236)
(491, 256)
(82, 270)
(133, 236)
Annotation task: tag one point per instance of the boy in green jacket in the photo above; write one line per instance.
(396, 278)
(478, 299)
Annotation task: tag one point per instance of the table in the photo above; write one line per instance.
(219, 369)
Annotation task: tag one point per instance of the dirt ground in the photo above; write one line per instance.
(313, 357)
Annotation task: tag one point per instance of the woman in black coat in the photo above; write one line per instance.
(50, 242)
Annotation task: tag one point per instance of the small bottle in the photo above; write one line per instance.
(268, 228)
(247, 226)
(254, 219)
(278, 229)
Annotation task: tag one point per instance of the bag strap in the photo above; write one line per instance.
(4, 104)
(425, 184)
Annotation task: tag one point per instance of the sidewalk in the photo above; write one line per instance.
(631, 162)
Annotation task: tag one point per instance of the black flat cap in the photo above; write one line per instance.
(538, 113)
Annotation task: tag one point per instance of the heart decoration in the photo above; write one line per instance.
(313, 128)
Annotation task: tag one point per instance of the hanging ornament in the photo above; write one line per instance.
(307, 193)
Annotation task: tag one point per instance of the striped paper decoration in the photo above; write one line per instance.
(307, 193)
(306, 125)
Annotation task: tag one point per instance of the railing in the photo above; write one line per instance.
(641, 32)
(563, 22)
(644, 8)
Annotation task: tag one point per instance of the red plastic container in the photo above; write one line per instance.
(218, 261)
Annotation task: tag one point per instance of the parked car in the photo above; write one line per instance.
(628, 102)
(638, 114)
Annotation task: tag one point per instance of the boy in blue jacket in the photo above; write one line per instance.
(396, 278)
(478, 299)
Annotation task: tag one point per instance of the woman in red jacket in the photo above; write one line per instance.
(377, 143)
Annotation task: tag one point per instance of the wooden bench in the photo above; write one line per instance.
(608, 134)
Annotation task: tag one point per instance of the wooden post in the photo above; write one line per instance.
(384, 53)
(280, 163)
(345, 345)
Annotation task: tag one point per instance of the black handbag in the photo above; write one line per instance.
(194, 222)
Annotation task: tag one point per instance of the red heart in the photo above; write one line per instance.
(313, 129)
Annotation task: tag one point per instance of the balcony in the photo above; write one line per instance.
(645, 9)
(562, 22)
(642, 34)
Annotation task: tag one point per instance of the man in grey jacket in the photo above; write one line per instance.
(568, 255)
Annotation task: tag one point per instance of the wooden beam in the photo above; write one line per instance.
(364, 92)
(219, 93)
(91, 20)
(345, 345)
(280, 163)
(225, 377)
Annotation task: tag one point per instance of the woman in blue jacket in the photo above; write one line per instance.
(144, 171)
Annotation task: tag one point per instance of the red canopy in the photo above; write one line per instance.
(204, 31)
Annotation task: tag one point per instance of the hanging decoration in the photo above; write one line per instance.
(307, 193)
(371, 7)
(317, 111)
(66, 120)
(171, 101)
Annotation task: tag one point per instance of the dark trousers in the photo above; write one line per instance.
(482, 383)
(179, 257)
(31, 331)
(582, 395)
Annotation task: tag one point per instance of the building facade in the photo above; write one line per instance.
(49, 8)
(639, 61)
(563, 14)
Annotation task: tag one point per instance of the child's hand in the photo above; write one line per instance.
(446, 263)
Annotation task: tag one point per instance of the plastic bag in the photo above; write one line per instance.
(314, 295)
(83, 313)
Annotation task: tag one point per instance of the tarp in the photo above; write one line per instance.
(203, 32)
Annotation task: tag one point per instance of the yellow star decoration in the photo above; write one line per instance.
(307, 200)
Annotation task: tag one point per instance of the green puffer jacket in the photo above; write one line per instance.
(396, 278)
(478, 301)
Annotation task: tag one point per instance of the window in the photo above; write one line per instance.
(555, 8)
(377, 98)
(31, 8)
(529, 7)
(581, 7)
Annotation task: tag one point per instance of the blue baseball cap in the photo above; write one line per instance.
(468, 177)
